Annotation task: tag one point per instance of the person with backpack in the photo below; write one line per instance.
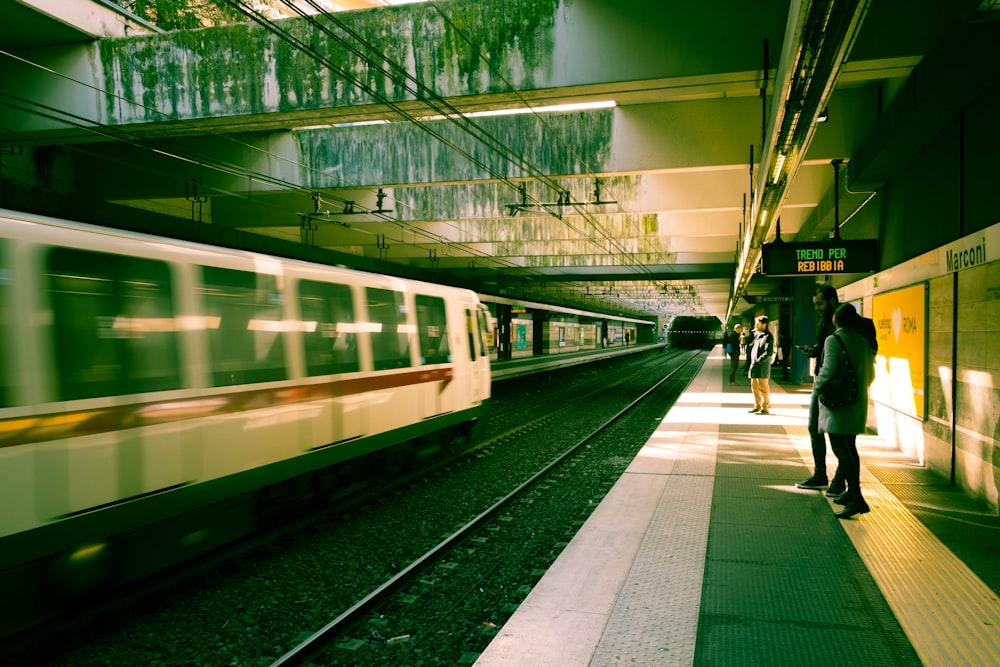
(847, 357)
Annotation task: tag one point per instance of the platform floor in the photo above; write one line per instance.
(705, 553)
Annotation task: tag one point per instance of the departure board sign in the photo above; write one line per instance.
(806, 258)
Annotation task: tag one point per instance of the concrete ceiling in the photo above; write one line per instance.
(653, 231)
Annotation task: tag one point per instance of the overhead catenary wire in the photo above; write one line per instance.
(119, 135)
(496, 72)
(429, 98)
(448, 111)
(422, 93)
(626, 258)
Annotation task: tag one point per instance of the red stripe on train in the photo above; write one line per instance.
(61, 425)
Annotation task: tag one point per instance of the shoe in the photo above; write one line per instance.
(763, 411)
(853, 507)
(837, 488)
(754, 411)
(840, 499)
(814, 483)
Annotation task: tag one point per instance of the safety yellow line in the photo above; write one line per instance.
(949, 615)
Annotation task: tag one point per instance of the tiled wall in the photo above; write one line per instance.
(976, 347)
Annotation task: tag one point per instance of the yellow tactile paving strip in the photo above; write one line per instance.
(617, 577)
(949, 615)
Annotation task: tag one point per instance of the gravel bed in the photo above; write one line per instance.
(254, 609)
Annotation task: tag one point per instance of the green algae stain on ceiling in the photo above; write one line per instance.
(386, 55)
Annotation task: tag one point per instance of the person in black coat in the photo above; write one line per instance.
(733, 343)
(826, 301)
(761, 356)
(847, 348)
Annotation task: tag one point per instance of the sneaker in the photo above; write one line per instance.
(837, 488)
(814, 483)
(763, 411)
(754, 411)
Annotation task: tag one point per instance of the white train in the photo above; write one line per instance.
(145, 379)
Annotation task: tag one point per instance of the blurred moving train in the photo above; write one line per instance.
(145, 380)
(692, 332)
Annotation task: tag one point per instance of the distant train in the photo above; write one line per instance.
(146, 379)
(693, 332)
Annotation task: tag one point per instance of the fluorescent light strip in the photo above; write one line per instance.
(554, 108)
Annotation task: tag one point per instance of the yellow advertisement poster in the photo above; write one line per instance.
(901, 323)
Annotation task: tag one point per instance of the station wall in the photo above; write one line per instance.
(938, 225)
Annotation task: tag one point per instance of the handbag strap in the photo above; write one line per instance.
(846, 355)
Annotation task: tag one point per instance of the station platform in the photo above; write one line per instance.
(706, 553)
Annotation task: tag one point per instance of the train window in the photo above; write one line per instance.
(243, 312)
(331, 347)
(432, 325)
(390, 333)
(113, 324)
(6, 319)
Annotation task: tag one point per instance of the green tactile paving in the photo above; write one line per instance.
(733, 545)
(766, 473)
(783, 584)
(774, 645)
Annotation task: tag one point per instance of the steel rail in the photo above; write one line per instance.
(320, 641)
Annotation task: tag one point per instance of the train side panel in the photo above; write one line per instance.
(146, 376)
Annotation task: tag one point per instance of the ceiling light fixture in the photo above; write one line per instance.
(779, 163)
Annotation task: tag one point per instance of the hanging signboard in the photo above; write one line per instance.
(807, 258)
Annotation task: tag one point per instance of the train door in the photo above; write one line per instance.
(117, 362)
(477, 328)
(438, 394)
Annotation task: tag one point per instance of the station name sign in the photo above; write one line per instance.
(806, 258)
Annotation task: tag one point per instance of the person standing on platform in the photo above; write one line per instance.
(846, 347)
(761, 357)
(733, 344)
(784, 352)
(825, 300)
(746, 338)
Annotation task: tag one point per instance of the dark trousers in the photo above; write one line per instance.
(848, 463)
(817, 439)
(734, 363)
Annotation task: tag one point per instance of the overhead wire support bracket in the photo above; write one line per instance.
(598, 182)
(563, 200)
(380, 195)
(318, 215)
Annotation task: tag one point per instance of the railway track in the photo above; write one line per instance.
(269, 599)
(332, 633)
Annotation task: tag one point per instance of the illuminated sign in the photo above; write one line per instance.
(901, 328)
(793, 258)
